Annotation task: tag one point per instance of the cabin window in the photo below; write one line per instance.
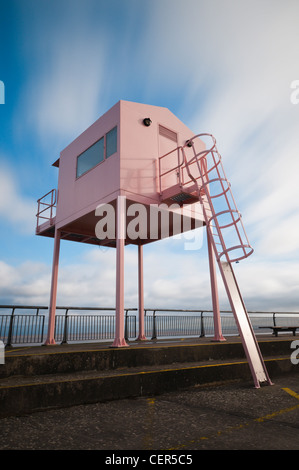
(103, 148)
(111, 142)
(90, 157)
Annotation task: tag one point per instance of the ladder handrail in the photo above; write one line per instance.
(200, 159)
(179, 165)
(207, 193)
(203, 184)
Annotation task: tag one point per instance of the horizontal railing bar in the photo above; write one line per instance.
(44, 307)
(48, 204)
(52, 191)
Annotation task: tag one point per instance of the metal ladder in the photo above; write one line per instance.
(213, 188)
(228, 237)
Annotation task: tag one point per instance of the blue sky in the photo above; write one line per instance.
(222, 66)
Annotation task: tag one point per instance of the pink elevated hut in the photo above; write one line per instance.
(138, 174)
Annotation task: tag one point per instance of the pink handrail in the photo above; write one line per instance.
(201, 160)
(177, 167)
(43, 206)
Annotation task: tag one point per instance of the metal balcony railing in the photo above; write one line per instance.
(46, 206)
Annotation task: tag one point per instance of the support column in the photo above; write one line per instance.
(214, 290)
(141, 336)
(119, 340)
(53, 295)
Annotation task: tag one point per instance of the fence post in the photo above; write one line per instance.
(145, 321)
(51, 207)
(154, 334)
(126, 325)
(37, 215)
(42, 332)
(37, 326)
(10, 328)
(274, 319)
(64, 339)
(202, 326)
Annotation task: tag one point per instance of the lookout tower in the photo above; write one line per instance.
(140, 156)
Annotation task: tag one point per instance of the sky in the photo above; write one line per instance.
(226, 67)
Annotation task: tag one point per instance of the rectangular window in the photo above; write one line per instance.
(111, 142)
(90, 157)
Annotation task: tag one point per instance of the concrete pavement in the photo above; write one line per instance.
(231, 416)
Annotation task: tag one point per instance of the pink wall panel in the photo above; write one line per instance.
(78, 196)
(132, 171)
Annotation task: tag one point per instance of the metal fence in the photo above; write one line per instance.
(182, 323)
(71, 324)
(20, 324)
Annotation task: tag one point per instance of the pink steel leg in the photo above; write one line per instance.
(215, 299)
(119, 340)
(141, 336)
(52, 307)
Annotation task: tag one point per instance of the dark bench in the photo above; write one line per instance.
(276, 329)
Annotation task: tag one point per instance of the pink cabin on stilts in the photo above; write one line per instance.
(136, 175)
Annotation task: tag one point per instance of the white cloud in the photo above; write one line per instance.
(66, 52)
(28, 283)
(63, 101)
(172, 279)
(269, 285)
(15, 207)
(280, 237)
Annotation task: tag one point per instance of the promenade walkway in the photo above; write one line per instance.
(224, 414)
(229, 416)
